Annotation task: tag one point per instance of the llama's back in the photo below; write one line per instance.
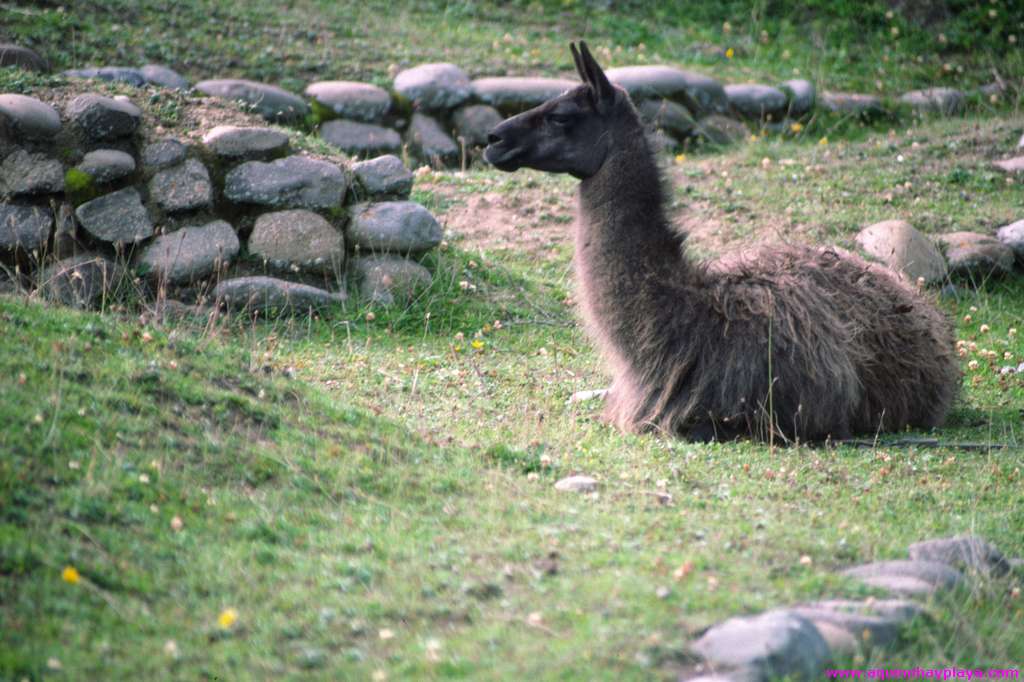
(854, 350)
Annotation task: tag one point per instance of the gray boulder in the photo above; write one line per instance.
(874, 623)
(118, 217)
(163, 153)
(512, 95)
(297, 239)
(976, 255)
(291, 182)
(183, 187)
(1012, 235)
(188, 254)
(757, 102)
(360, 139)
(271, 102)
(347, 99)
(22, 173)
(27, 117)
(236, 142)
(385, 280)
(268, 295)
(721, 130)
(113, 74)
(774, 644)
(967, 551)
(907, 577)
(698, 93)
(393, 226)
(903, 249)
(942, 101)
(474, 122)
(854, 104)
(24, 227)
(103, 118)
(22, 57)
(165, 77)
(430, 142)
(666, 115)
(383, 176)
(434, 87)
(84, 281)
(801, 95)
(107, 165)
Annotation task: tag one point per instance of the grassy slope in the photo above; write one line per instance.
(327, 526)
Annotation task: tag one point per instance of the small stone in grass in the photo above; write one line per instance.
(577, 484)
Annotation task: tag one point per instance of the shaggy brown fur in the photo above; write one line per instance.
(804, 343)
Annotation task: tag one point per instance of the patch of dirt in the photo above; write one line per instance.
(530, 220)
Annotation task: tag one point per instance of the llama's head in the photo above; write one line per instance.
(572, 133)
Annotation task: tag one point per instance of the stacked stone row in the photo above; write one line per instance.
(88, 203)
(442, 117)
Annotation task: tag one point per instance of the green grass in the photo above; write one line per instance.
(373, 495)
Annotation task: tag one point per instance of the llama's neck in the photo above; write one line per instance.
(627, 256)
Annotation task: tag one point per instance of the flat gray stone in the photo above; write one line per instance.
(963, 551)
(237, 142)
(28, 117)
(907, 577)
(942, 101)
(163, 153)
(864, 106)
(1014, 165)
(107, 165)
(184, 187)
(103, 118)
(430, 142)
(189, 254)
(666, 115)
(84, 281)
(697, 92)
(22, 57)
(474, 122)
(801, 95)
(758, 102)
(268, 295)
(347, 99)
(291, 182)
(1012, 235)
(434, 87)
(384, 176)
(903, 249)
(113, 74)
(385, 280)
(970, 254)
(297, 239)
(360, 139)
(271, 102)
(394, 227)
(158, 74)
(118, 217)
(24, 227)
(579, 483)
(776, 644)
(511, 95)
(722, 130)
(870, 624)
(23, 174)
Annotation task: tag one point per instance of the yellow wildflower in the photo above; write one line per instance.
(227, 618)
(680, 158)
(796, 127)
(730, 53)
(477, 344)
(823, 141)
(70, 575)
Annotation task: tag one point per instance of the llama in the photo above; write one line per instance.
(799, 343)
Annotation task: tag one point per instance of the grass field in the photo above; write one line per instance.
(371, 496)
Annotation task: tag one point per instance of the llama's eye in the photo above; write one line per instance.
(560, 120)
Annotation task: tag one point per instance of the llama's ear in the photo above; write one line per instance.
(603, 90)
(579, 63)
